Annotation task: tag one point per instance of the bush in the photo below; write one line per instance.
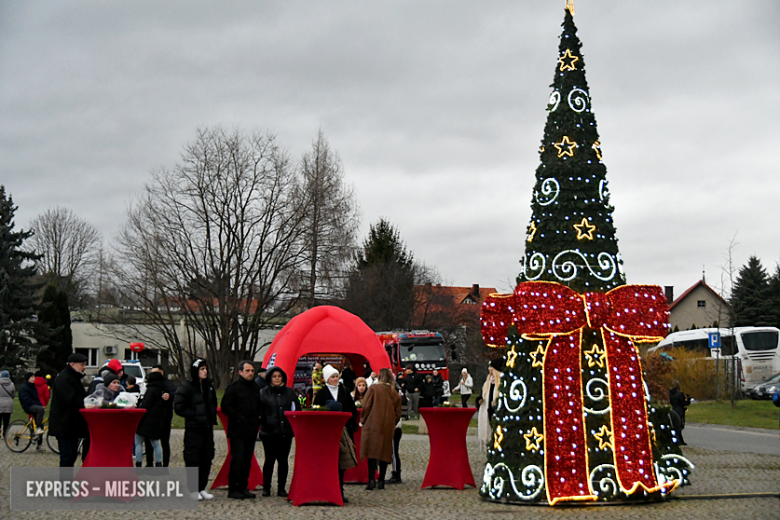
(697, 375)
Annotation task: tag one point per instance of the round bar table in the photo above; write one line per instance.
(448, 464)
(255, 473)
(316, 465)
(111, 436)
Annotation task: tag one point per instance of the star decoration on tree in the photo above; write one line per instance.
(511, 357)
(568, 60)
(565, 143)
(585, 230)
(533, 439)
(498, 437)
(570, 6)
(597, 148)
(538, 361)
(531, 232)
(605, 438)
(595, 356)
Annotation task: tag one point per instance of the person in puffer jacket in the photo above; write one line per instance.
(196, 401)
(276, 433)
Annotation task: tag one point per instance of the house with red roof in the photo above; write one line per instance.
(698, 307)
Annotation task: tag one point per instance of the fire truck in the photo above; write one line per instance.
(425, 350)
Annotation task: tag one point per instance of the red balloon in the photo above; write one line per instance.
(136, 347)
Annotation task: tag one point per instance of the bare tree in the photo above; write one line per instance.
(69, 247)
(331, 221)
(208, 255)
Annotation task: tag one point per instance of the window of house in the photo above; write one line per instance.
(701, 304)
(91, 353)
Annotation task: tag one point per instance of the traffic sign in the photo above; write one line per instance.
(714, 339)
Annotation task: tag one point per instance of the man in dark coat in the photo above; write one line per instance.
(414, 383)
(196, 401)
(241, 404)
(260, 378)
(65, 420)
(165, 438)
(348, 377)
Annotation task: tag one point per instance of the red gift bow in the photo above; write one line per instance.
(630, 313)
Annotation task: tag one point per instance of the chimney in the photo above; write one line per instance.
(669, 292)
(475, 290)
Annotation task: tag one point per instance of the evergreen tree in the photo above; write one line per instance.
(55, 316)
(381, 287)
(558, 432)
(17, 290)
(774, 296)
(751, 297)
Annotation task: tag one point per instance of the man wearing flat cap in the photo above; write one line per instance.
(67, 399)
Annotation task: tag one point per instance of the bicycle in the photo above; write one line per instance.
(21, 434)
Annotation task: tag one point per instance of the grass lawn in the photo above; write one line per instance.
(747, 413)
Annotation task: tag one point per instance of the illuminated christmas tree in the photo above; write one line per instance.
(574, 422)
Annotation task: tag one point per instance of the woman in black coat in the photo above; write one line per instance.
(196, 401)
(679, 402)
(333, 391)
(152, 425)
(275, 431)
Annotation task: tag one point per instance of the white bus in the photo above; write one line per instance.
(757, 348)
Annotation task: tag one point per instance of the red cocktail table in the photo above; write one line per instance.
(448, 464)
(111, 436)
(255, 473)
(316, 466)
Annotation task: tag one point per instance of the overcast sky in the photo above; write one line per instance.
(437, 109)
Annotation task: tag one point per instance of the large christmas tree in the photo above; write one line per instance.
(574, 422)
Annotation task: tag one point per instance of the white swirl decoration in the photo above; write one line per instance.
(603, 191)
(673, 467)
(597, 394)
(531, 478)
(535, 266)
(578, 99)
(516, 395)
(549, 192)
(566, 270)
(555, 100)
(606, 485)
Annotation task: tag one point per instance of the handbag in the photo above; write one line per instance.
(347, 455)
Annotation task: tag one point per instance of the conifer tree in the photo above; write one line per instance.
(751, 298)
(572, 423)
(17, 290)
(54, 315)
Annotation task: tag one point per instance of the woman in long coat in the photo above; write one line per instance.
(488, 401)
(381, 412)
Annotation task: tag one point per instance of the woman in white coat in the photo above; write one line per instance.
(488, 401)
(465, 385)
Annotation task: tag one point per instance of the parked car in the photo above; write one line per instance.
(765, 389)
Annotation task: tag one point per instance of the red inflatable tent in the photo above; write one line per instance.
(326, 330)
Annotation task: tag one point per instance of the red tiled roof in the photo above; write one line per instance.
(449, 303)
(701, 283)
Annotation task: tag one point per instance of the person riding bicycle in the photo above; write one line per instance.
(31, 403)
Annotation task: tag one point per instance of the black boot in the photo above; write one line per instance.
(281, 492)
(371, 485)
(138, 465)
(158, 465)
(396, 478)
(266, 491)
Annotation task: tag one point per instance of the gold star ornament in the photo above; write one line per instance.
(565, 147)
(595, 356)
(585, 230)
(570, 6)
(531, 232)
(498, 437)
(568, 61)
(605, 438)
(538, 357)
(533, 439)
(511, 357)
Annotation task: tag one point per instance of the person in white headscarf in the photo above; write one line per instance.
(488, 401)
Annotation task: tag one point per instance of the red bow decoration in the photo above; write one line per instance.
(551, 311)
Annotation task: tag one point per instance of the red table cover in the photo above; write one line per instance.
(111, 436)
(448, 464)
(316, 466)
(255, 473)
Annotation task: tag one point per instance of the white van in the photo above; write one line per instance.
(757, 348)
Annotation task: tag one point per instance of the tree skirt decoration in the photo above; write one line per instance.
(574, 422)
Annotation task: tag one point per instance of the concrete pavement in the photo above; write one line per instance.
(717, 473)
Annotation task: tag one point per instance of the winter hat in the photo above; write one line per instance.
(115, 365)
(327, 372)
(28, 375)
(334, 406)
(199, 362)
(77, 358)
(108, 379)
(5, 373)
(497, 364)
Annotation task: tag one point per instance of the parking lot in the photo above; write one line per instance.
(725, 485)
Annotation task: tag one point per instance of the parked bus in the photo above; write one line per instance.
(425, 350)
(756, 348)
